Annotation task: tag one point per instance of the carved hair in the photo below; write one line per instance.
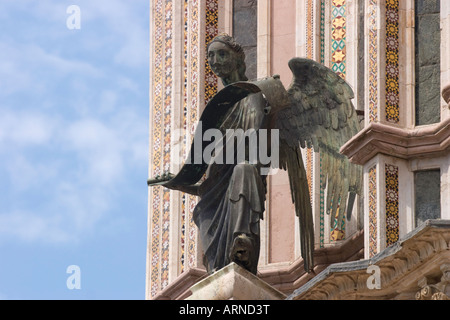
(237, 48)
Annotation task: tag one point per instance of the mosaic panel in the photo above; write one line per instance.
(338, 65)
(194, 66)
(373, 59)
(310, 29)
(309, 156)
(322, 31)
(337, 232)
(162, 108)
(156, 193)
(182, 257)
(193, 113)
(373, 221)
(168, 84)
(392, 61)
(323, 8)
(338, 47)
(212, 22)
(162, 104)
(392, 205)
(321, 210)
(338, 37)
(197, 66)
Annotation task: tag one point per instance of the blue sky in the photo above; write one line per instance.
(73, 148)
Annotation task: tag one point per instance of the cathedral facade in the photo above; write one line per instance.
(394, 55)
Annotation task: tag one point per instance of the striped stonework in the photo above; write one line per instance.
(160, 152)
(198, 85)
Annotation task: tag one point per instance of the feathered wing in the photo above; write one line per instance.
(320, 116)
(291, 161)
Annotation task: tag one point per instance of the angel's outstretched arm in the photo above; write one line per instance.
(192, 189)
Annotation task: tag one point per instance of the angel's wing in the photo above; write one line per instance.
(322, 116)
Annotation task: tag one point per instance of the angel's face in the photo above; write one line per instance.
(222, 59)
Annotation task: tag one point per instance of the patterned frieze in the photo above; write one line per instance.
(384, 54)
(392, 48)
(180, 84)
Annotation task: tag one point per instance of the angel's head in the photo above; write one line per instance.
(227, 59)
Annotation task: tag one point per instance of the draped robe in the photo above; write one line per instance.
(233, 194)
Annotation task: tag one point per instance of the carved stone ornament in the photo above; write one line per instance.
(415, 268)
(438, 291)
(446, 94)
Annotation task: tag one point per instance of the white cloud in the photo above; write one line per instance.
(27, 175)
(98, 147)
(30, 227)
(108, 101)
(77, 184)
(56, 63)
(131, 31)
(22, 128)
(30, 69)
(134, 52)
(71, 129)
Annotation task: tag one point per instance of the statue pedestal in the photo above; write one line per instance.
(234, 283)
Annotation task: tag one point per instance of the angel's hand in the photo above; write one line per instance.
(160, 180)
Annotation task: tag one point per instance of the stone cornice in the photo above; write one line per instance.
(424, 141)
(180, 289)
(422, 254)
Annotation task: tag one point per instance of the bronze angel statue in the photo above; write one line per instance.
(315, 112)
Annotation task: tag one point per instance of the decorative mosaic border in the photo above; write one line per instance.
(162, 109)
(162, 116)
(196, 98)
(321, 209)
(373, 221)
(322, 31)
(338, 37)
(212, 29)
(338, 65)
(156, 194)
(309, 154)
(193, 111)
(310, 29)
(182, 257)
(168, 84)
(373, 59)
(323, 8)
(392, 61)
(338, 42)
(392, 205)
